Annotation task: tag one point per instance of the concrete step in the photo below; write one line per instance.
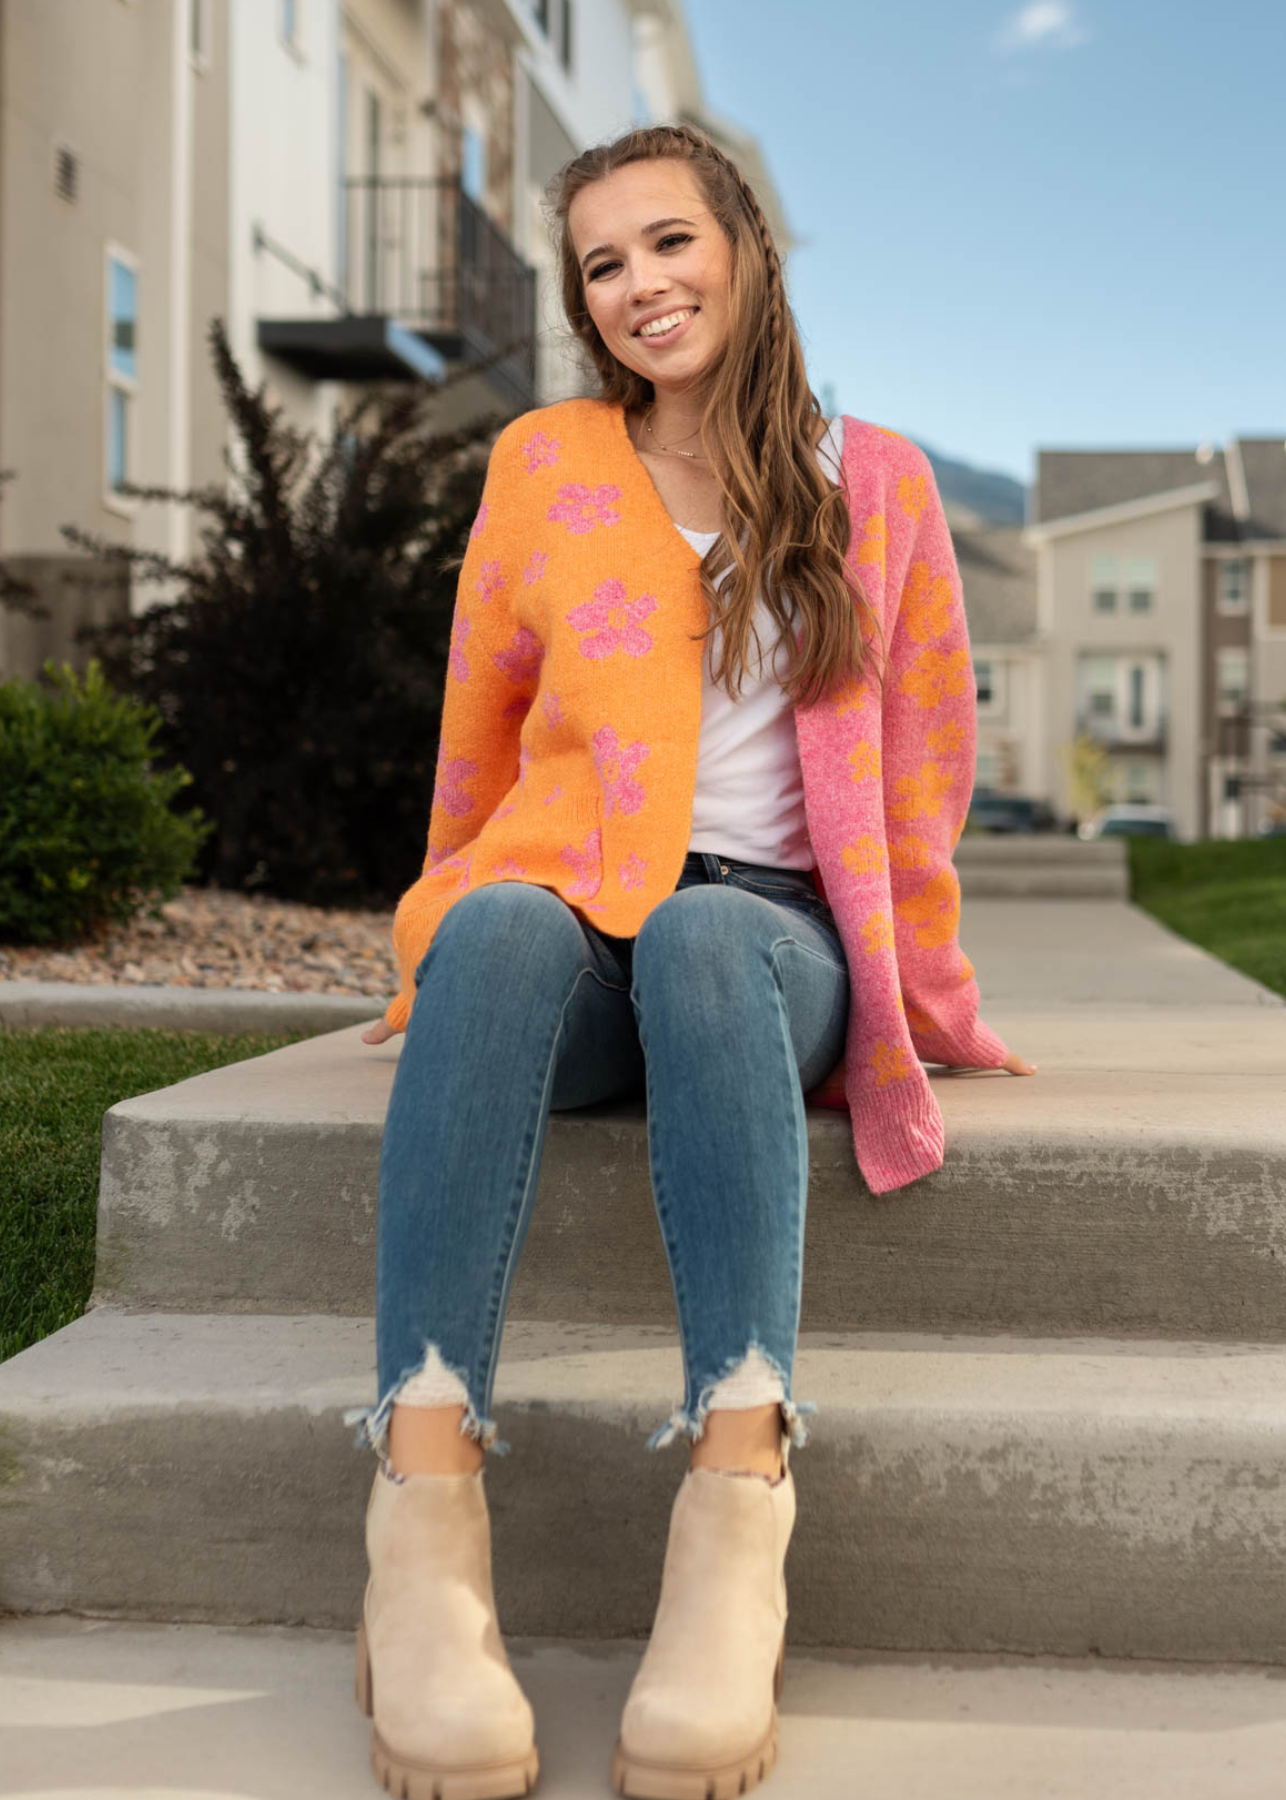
(1041, 866)
(89, 1706)
(956, 1494)
(1137, 1184)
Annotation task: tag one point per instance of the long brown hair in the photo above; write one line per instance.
(790, 529)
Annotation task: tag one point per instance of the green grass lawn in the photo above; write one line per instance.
(55, 1086)
(1228, 897)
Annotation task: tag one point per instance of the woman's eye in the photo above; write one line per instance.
(673, 237)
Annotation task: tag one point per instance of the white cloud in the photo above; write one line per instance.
(1042, 25)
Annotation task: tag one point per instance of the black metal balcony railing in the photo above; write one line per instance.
(418, 249)
(1112, 734)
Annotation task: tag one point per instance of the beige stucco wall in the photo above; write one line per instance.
(104, 80)
(1173, 629)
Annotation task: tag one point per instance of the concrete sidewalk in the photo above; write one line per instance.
(199, 1712)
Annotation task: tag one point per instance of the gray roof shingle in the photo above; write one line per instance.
(1264, 463)
(998, 573)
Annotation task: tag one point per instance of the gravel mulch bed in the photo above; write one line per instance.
(212, 938)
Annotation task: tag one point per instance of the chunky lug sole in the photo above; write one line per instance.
(642, 1780)
(423, 1781)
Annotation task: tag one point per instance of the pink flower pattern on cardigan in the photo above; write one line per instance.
(587, 865)
(616, 766)
(460, 627)
(540, 452)
(613, 622)
(581, 508)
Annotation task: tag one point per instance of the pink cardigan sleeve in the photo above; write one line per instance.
(929, 740)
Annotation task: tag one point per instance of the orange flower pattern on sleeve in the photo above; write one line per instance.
(947, 739)
(910, 853)
(913, 495)
(921, 796)
(890, 1062)
(865, 857)
(864, 762)
(875, 539)
(934, 911)
(877, 933)
(933, 677)
(927, 602)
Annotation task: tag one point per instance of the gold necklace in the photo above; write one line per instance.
(665, 449)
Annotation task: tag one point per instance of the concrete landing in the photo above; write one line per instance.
(199, 1712)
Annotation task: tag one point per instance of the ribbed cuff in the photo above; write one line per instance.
(397, 1012)
(976, 1047)
(898, 1138)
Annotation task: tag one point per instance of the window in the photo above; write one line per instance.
(1105, 600)
(1234, 588)
(122, 367)
(1232, 679)
(565, 36)
(1140, 784)
(473, 164)
(1136, 696)
(1103, 704)
(1141, 580)
(985, 769)
(541, 10)
(986, 688)
(1103, 584)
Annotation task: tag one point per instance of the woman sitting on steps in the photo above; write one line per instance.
(661, 862)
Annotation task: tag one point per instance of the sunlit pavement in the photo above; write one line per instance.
(95, 1708)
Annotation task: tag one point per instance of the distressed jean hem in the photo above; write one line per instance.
(769, 1385)
(373, 1421)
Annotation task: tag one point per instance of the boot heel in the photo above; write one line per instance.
(365, 1691)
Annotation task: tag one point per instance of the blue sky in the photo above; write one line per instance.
(1059, 224)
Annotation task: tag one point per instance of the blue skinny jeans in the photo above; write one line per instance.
(729, 1004)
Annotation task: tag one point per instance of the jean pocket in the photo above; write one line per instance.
(786, 893)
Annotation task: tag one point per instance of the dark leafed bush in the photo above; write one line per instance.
(87, 832)
(299, 660)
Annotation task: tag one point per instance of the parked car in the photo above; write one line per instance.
(990, 810)
(1127, 818)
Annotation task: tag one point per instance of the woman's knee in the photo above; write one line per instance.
(509, 923)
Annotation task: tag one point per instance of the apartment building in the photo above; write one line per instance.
(1161, 623)
(998, 577)
(357, 187)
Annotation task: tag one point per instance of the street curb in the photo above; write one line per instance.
(29, 1005)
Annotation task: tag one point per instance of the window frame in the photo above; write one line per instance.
(565, 46)
(292, 39)
(1237, 609)
(117, 382)
(1226, 709)
(199, 35)
(994, 704)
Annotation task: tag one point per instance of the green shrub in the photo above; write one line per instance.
(87, 836)
(299, 657)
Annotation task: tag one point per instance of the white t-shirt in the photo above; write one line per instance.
(749, 800)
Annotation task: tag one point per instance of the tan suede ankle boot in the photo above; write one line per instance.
(700, 1722)
(450, 1721)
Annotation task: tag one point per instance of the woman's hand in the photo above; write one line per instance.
(1016, 1065)
(378, 1033)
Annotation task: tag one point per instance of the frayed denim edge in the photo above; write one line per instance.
(372, 1421)
(692, 1424)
